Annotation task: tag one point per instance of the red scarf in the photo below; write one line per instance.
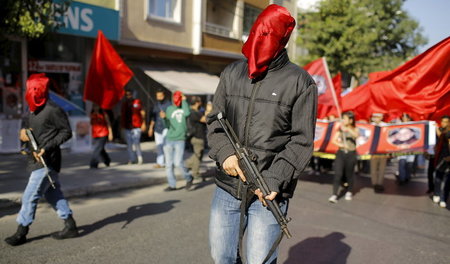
(37, 91)
(268, 36)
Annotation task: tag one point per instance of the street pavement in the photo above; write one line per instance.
(78, 180)
(148, 225)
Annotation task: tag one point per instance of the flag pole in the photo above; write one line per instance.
(333, 91)
(146, 92)
(333, 94)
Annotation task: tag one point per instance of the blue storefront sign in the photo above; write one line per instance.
(85, 20)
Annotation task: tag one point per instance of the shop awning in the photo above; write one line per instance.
(188, 81)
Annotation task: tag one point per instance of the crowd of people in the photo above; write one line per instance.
(346, 163)
(173, 123)
(270, 103)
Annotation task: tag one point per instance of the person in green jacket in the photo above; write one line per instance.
(175, 118)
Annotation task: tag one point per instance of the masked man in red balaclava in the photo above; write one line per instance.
(132, 122)
(50, 127)
(271, 105)
(175, 118)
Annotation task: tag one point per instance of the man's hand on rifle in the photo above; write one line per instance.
(23, 135)
(263, 199)
(38, 156)
(231, 167)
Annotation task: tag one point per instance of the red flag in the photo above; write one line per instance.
(420, 87)
(107, 75)
(318, 70)
(327, 110)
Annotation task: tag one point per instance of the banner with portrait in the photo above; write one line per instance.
(395, 139)
(404, 138)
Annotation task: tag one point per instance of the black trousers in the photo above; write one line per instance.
(430, 173)
(99, 152)
(344, 165)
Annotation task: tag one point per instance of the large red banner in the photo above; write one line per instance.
(413, 137)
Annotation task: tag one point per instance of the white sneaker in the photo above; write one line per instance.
(333, 199)
(140, 160)
(348, 196)
(436, 199)
(443, 204)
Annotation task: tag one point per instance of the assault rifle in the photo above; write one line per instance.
(251, 173)
(35, 149)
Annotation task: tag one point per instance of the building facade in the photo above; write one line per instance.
(172, 44)
(207, 33)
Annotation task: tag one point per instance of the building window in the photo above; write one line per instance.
(168, 10)
(222, 18)
(250, 15)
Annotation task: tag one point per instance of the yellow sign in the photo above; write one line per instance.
(110, 4)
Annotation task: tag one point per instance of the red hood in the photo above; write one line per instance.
(177, 98)
(268, 36)
(37, 91)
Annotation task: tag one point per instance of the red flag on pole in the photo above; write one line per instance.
(107, 75)
(420, 87)
(326, 110)
(327, 97)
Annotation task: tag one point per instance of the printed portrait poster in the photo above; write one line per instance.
(320, 134)
(81, 134)
(403, 138)
(364, 141)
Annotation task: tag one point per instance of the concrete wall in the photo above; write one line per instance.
(138, 26)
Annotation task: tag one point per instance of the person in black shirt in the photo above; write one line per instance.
(442, 164)
(51, 128)
(197, 121)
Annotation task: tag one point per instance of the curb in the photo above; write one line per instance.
(15, 201)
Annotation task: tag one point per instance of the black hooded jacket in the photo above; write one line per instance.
(51, 128)
(273, 116)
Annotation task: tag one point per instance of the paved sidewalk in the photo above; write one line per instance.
(78, 180)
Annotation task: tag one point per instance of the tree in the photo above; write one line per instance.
(359, 36)
(30, 18)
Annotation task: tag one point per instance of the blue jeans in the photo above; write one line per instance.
(38, 186)
(173, 154)
(440, 179)
(261, 227)
(133, 137)
(160, 140)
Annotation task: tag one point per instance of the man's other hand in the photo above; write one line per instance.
(37, 155)
(263, 199)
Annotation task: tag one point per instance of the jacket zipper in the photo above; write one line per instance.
(247, 128)
(250, 112)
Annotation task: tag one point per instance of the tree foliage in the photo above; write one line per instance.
(359, 36)
(30, 18)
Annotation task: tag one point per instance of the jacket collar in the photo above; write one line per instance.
(280, 61)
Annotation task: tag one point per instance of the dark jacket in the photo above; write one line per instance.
(51, 128)
(274, 117)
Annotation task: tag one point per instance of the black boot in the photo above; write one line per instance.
(19, 238)
(70, 229)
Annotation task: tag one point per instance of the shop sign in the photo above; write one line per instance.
(85, 20)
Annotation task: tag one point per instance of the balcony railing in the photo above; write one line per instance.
(219, 30)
